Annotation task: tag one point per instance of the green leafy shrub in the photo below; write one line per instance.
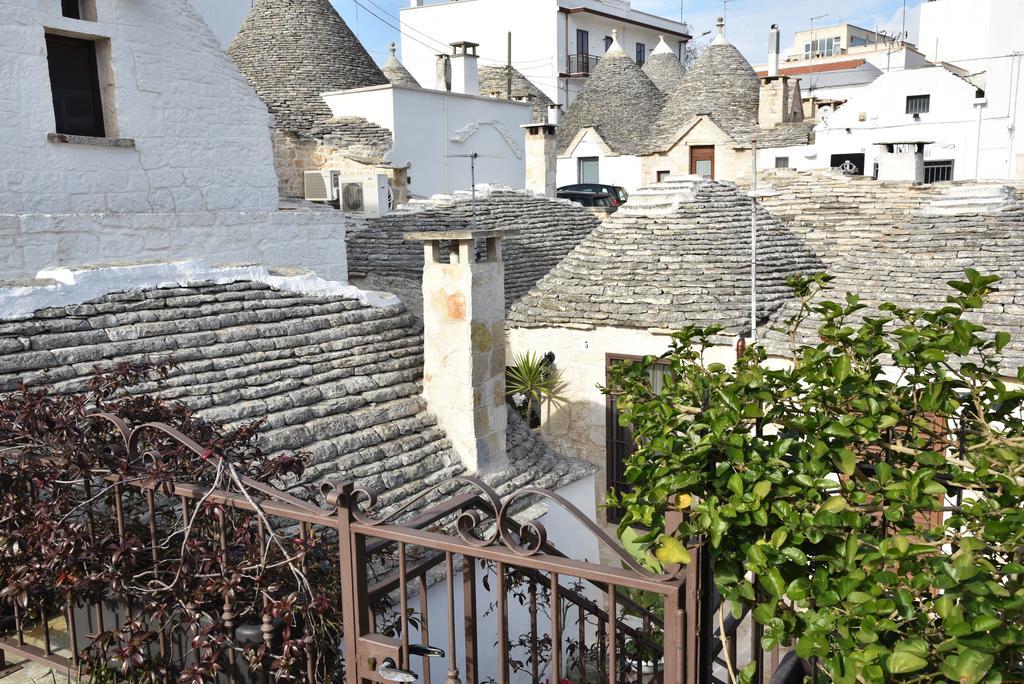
(531, 381)
(819, 487)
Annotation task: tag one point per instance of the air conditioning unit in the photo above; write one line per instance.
(321, 186)
(370, 197)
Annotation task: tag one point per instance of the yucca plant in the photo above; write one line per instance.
(531, 381)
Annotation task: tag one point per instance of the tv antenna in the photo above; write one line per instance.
(472, 157)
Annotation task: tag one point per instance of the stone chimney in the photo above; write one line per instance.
(901, 162)
(465, 71)
(542, 155)
(773, 51)
(443, 73)
(464, 342)
(776, 105)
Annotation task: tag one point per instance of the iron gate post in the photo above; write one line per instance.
(355, 609)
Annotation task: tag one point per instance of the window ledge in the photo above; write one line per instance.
(66, 139)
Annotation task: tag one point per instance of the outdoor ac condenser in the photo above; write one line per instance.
(321, 186)
(370, 197)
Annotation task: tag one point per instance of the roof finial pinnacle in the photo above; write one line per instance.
(615, 43)
(392, 48)
(720, 38)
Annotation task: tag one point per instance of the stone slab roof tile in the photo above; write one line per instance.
(619, 101)
(396, 72)
(331, 377)
(722, 84)
(494, 83)
(549, 229)
(667, 269)
(879, 242)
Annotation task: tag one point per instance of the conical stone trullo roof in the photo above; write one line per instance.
(664, 69)
(722, 84)
(619, 101)
(292, 51)
(494, 83)
(396, 71)
(651, 268)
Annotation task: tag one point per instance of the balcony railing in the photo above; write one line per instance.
(581, 63)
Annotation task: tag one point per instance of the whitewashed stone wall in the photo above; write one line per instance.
(313, 240)
(201, 134)
(190, 174)
(294, 155)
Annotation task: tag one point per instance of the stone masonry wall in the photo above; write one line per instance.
(294, 155)
(200, 134)
(730, 164)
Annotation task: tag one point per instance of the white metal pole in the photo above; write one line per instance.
(472, 185)
(753, 246)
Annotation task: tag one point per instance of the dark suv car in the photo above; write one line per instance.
(618, 195)
(588, 199)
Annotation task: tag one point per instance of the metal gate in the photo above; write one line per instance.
(582, 621)
(584, 598)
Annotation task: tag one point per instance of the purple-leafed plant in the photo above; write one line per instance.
(86, 522)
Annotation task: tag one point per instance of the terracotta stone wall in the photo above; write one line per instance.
(294, 155)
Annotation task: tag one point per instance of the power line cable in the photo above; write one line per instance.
(431, 47)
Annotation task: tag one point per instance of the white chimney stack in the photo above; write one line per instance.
(464, 342)
(465, 72)
(773, 51)
(554, 114)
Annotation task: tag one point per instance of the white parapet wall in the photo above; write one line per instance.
(64, 286)
(311, 239)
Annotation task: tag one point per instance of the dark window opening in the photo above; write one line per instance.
(663, 175)
(938, 171)
(620, 444)
(641, 54)
(582, 42)
(71, 9)
(918, 104)
(607, 43)
(782, 162)
(75, 84)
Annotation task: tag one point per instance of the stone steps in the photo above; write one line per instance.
(956, 200)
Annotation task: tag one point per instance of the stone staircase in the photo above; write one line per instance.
(971, 198)
(661, 198)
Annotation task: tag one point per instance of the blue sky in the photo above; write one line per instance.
(747, 20)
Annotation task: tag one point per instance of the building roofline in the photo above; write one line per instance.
(816, 68)
(414, 89)
(626, 20)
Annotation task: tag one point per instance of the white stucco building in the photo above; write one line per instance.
(834, 62)
(128, 134)
(555, 43)
(954, 118)
(983, 38)
(965, 102)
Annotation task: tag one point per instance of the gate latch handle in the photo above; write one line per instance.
(426, 651)
(389, 671)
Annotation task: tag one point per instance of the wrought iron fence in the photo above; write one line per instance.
(451, 571)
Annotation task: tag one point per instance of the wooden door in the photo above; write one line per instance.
(702, 161)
